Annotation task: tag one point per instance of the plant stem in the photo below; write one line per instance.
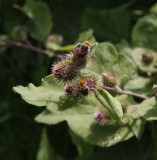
(26, 46)
(119, 90)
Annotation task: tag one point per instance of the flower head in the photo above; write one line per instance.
(100, 117)
(83, 49)
(69, 90)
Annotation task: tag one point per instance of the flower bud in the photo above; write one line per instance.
(109, 80)
(147, 58)
(20, 33)
(102, 116)
(69, 90)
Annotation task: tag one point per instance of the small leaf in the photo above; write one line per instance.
(136, 125)
(2, 45)
(40, 23)
(45, 150)
(140, 85)
(148, 109)
(67, 48)
(111, 104)
(86, 36)
(84, 149)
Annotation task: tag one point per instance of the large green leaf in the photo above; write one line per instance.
(106, 59)
(80, 115)
(145, 30)
(113, 24)
(48, 92)
(80, 118)
(40, 23)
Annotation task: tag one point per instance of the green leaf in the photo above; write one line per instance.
(148, 109)
(113, 24)
(67, 48)
(140, 85)
(53, 42)
(84, 149)
(44, 151)
(154, 131)
(106, 59)
(47, 93)
(145, 30)
(136, 125)
(79, 115)
(40, 23)
(111, 104)
(2, 46)
(86, 36)
(80, 118)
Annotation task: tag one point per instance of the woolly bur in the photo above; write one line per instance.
(82, 87)
(69, 69)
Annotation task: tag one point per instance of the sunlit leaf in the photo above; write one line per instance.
(106, 59)
(47, 93)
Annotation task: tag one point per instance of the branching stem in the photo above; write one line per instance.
(8, 43)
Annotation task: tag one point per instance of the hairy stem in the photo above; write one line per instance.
(119, 90)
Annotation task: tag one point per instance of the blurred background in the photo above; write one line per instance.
(32, 34)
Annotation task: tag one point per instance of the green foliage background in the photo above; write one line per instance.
(130, 26)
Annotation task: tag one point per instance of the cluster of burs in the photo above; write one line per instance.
(79, 81)
(73, 71)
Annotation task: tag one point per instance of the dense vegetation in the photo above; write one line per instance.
(114, 117)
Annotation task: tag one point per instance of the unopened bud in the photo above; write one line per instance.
(109, 80)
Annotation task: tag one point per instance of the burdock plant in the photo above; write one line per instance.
(90, 98)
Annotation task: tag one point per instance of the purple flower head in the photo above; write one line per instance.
(59, 72)
(82, 48)
(69, 90)
(89, 82)
(100, 117)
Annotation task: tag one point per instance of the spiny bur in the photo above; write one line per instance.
(82, 87)
(69, 69)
